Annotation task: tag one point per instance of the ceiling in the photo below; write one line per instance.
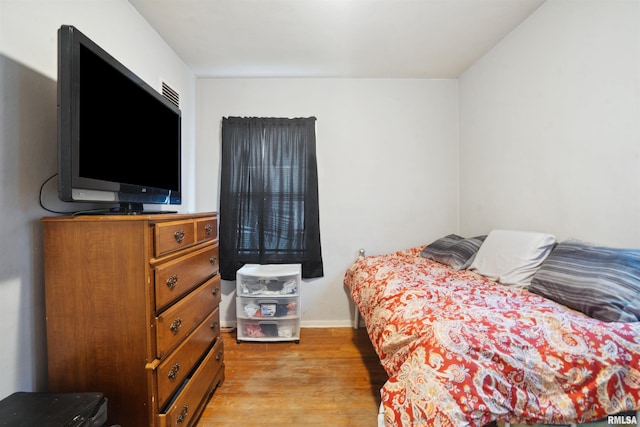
(333, 38)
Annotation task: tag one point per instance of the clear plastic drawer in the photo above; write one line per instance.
(268, 330)
(266, 307)
(268, 280)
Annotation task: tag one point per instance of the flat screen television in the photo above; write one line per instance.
(119, 140)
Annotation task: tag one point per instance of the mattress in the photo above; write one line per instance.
(461, 350)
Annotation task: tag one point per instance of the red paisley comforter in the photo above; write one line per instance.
(461, 350)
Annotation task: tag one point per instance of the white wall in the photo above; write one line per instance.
(28, 73)
(550, 126)
(387, 167)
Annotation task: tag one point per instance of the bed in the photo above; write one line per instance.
(467, 340)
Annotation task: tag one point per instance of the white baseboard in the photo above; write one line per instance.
(304, 324)
(326, 324)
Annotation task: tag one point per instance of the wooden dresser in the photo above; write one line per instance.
(132, 312)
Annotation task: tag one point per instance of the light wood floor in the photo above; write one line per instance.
(332, 378)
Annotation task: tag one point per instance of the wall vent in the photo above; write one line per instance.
(171, 94)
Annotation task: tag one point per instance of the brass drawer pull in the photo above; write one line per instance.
(179, 236)
(175, 325)
(214, 325)
(213, 260)
(183, 414)
(208, 229)
(173, 372)
(172, 281)
(219, 355)
(215, 291)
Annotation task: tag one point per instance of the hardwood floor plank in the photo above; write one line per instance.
(332, 378)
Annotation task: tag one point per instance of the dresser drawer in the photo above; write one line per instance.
(174, 235)
(195, 391)
(175, 368)
(175, 323)
(207, 229)
(177, 277)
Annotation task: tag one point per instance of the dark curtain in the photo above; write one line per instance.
(269, 195)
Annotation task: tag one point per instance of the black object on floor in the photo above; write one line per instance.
(24, 409)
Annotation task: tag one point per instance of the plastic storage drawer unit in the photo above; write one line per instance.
(268, 302)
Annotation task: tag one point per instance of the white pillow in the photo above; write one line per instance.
(512, 257)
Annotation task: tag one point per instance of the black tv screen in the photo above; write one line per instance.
(119, 139)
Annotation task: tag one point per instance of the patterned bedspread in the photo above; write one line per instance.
(461, 350)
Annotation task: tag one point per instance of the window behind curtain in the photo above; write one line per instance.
(269, 195)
